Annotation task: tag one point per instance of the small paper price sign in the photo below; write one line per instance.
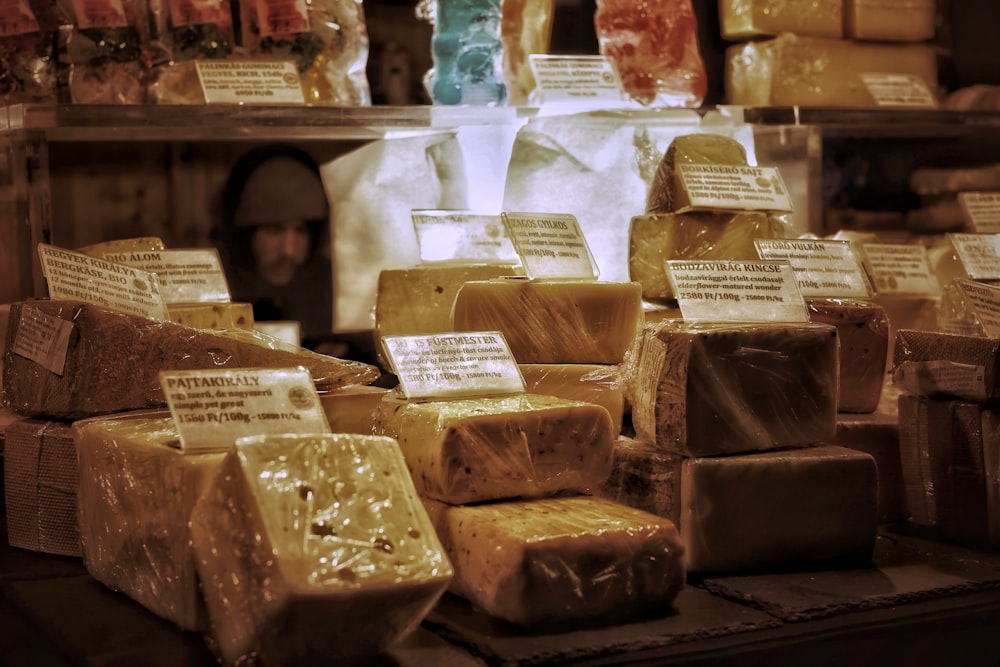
(984, 300)
(457, 236)
(822, 268)
(899, 268)
(979, 254)
(733, 187)
(550, 245)
(981, 211)
(186, 276)
(739, 291)
(576, 79)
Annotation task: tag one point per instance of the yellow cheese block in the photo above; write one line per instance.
(212, 315)
(590, 383)
(135, 501)
(471, 450)
(312, 548)
(136, 244)
(645, 477)
(557, 562)
(889, 20)
(811, 71)
(666, 192)
(743, 19)
(655, 238)
(554, 322)
(113, 360)
(704, 389)
(352, 409)
(418, 300)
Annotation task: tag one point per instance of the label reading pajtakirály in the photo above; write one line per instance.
(899, 268)
(740, 291)
(733, 187)
(823, 268)
(454, 365)
(214, 408)
(43, 338)
(457, 236)
(74, 276)
(979, 254)
(550, 245)
(250, 82)
(186, 276)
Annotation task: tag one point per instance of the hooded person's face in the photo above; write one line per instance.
(280, 249)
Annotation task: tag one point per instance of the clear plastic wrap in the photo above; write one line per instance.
(863, 330)
(562, 562)
(941, 365)
(890, 20)
(955, 313)
(525, 29)
(591, 383)
(646, 478)
(112, 360)
(311, 548)
(709, 388)
(554, 322)
(217, 316)
(666, 190)
(185, 31)
(479, 449)
(746, 19)
(134, 244)
(467, 51)
(28, 59)
(135, 501)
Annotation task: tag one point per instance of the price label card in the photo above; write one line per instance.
(77, 277)
(984, 300)
(898, 90)
(713, 187)
(899, 268)
(823, 268)
(942, 378)
(454, 365)
(250, 82)
(737, 291)
(550, 245)
(576, 78)
(186, 276)
(462, 236)
(213, 408)
(979, 254)
(981, 211)
(43, 338)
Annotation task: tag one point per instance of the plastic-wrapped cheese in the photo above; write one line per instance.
(212, 315)
(352, 409)
(812, 71)
(311, 548)
(889, 20)
(655, 238)
(111, 361)
(666, 192)
(743, 19)
(940, 365)
(477, 449)
(557, 562)
(136, 244)
(703, 388)
(135, 501)
(877, 434)
(754, 511)
(553, 322)
(590, 383)
(863, 330)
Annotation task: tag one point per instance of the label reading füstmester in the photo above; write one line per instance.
(74, 276)
(250, 82)
(453, 365)
(981, 211)
(214, 408)
(550, 245)
(43, 338)
(575, 78)
(186, 276)
(899, 268)
(739, 291)
(733, 187)
(822, 268)
(979, 254)
(452, 236)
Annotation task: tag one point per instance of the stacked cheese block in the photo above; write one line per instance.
(939, 188)
(949, 433)
(812, 52)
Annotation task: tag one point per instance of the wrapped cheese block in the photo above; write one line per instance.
(941, 365)
(655, 238)
(312, 548)
(418, 300)
(877, 434)
(955, 313)
(889, 20)
(942, 180)
(352, 409)
(135, 501)
(950, 456)
(590, 383)
(666, 192)
(554, 322)
(562, 562)
(743, 19)
(704, 388)
(812, 71)
(40, 476)
(98, 361)
(212, 315)
(863, 330)
(754, 511)
(471, 450)
(4, 321)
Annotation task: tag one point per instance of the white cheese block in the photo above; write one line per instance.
(135, 501)
(743, 19)
(312, 548)
(889, 20)
(554, 322)
(704, 388)
(590, 383)
(478, 449)
(560, 562)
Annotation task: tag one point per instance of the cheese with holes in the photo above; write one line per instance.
(558, 562)
(590, 383)
(756, 511)
(418, 300)
(135, 501)
(83, 360)
(136, 244)
(812, 71)
(477, 449)
(889, 20)
(941, 365)
(352, 409)
(212, 315)
(655, 238)
(666, 192)
(704, 388)
(743, 19)
(863, 330)
(554, 322)
(312, 548)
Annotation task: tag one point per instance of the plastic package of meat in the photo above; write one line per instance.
(28, 67)
(184, 32)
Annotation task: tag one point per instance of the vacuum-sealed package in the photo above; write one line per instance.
(27, 52)
(185, 31)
